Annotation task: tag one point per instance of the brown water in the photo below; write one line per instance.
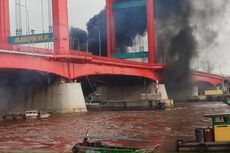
(59, 133)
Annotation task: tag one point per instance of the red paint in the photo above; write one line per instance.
(151, 31)
(110, 27)
(63, 61)
(78, 64)
(207, 77)
(60, 26)
(4, 22)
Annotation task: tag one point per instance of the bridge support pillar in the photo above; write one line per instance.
(151, 31)
(4, 23)
(67, 97)
(110, 27)
(58, 98)
(128, 97)
(60, 26)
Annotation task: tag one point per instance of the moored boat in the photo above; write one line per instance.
(227, 100)
(215, 138)
(35, 114)
(98, 146)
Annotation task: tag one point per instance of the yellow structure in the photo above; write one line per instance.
(213, 92)
(221, 125)
(222, 133)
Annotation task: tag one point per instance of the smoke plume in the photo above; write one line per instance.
(210, 22)
(96, 25)
(78, 39)
(128, 22)
(182, 29)
(175, 42)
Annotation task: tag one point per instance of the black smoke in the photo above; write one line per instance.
(176, 44)
(95, 25)
(174, 36)
(78, 39)
(129, 23)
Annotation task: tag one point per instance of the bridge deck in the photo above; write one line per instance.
(79, 63)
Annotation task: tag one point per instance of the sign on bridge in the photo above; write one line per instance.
(31, 39)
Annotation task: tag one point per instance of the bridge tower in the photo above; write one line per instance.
(60, 26)
(111, 34)
(4, 23)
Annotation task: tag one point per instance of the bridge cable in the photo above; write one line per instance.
(42, 16)
(16, 15)
(91, 84)
(20, 16)
(49, 22)
(49, 16)
(27, 24)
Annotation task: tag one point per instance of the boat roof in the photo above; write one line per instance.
(31, 110)
(122, 138)
(217, 115)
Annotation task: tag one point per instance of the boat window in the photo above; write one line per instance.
(221, 119)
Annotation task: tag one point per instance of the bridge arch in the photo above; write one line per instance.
(93, 69)
(215, 81)
(68, 69)
(41, 64)
(202, 86)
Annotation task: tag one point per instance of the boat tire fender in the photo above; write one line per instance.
(75, 150)
(178, 142)
(202, 147)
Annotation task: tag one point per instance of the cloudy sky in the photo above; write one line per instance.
(80, 11)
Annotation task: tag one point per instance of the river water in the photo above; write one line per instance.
(59, 133)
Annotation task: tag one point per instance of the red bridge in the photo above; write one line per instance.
(213, 79)
(73, 64)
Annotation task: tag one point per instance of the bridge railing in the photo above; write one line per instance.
(75, 55)
(202, 73)
(27, 49)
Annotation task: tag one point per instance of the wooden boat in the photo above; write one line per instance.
(215, 138)
(98, 146)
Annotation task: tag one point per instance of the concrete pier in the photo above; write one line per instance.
(132, 97)
(57, 98)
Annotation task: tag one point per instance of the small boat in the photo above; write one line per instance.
(227, 100)
(14, 116)
(35, 114)
(42, 115)
(98, 146)
(31, 114)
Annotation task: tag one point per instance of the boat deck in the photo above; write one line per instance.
(203, 146)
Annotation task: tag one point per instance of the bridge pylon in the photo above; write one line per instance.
(4, 23)
(60, 26)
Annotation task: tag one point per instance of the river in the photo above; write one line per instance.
(60, 132)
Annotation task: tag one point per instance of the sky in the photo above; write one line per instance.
(216, 25)
(211, 27)
(80, 11)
